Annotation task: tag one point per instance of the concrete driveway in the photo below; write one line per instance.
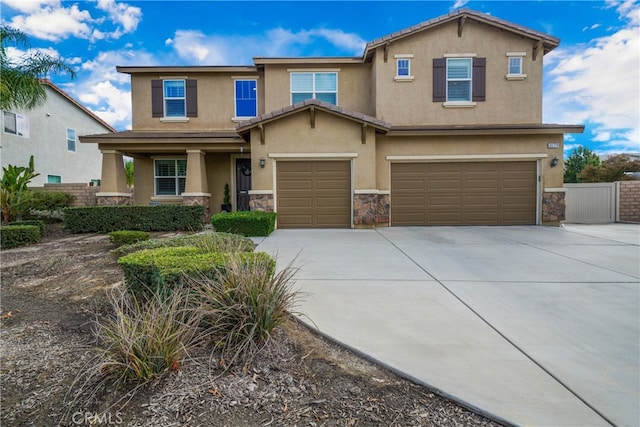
(530, 325)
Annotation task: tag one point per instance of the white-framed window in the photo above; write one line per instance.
(322, 86)
(71, 139)
(15, 124)
(246, 98)
(175, 100)
(403, 67)
(170, 176)
(54, 179)
(515, 65)
(459, 79)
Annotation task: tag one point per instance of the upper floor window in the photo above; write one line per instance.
(71, 139)
(403, 67)
(16, 124)
(174, 98)
(515, 62)
(458, 80)
(322, 86)
(246, 98)
(170, 176)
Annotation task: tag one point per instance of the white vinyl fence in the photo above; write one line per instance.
(591, 203)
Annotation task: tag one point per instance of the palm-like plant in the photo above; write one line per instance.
(20, 84)
(13, 186)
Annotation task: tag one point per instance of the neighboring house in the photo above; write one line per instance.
(438, 124)
(50, 133)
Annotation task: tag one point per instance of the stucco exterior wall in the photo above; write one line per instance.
(216, 101)
(354, 85)
(507, 101)
(333, 136)
(47, 142)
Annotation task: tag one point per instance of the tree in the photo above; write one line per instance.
(128, 171)
(20, 86)
(13, 187)
(579, 159)
(611, 170)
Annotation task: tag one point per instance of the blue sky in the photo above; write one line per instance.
(593, 78)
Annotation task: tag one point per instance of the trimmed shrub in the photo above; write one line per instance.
(45, 205)
(160, 270)
(12, 236)
(209, 242)
(104, 219)
(245, 223)
(127, 237)
(36, 222)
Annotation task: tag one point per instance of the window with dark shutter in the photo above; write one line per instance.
(157, 100)
(192, 98)
(439, 79)
(479, 79)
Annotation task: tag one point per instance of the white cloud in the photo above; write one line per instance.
(114, 103)
(54, 21)
(199, 48)
(598, 84)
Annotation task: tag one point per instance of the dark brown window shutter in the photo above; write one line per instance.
(157, 100)
(439, 79)
(192, 98)
(479, 79)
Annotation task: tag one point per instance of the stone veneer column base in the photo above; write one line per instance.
(199, 201)
(113, 200)
(383, 209)
(553, 207)
(365, 207)
(261, 202)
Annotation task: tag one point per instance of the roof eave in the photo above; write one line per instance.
(524, 129)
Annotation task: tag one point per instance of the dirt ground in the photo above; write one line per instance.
(51, 294)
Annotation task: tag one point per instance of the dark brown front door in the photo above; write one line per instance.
(243, 184)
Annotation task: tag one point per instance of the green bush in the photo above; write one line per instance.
(162, 269)
(245, 223)
(46, 201)
(36, 222)
(209, 241)
(104, 219)
(12, 236)
(127, 237)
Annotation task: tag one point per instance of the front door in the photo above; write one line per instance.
(243, 184)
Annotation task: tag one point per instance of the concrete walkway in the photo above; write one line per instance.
(531, 325)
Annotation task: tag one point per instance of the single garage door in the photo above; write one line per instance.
(474, 193)
(314, 194)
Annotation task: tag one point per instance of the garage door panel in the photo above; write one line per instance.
(473, 193)
(313, 194)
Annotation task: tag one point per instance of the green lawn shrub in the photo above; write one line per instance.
(37, 222)
(209, 242)
(158, 271)
(12, 236)
(104, 219)
(45, 205)
(127, 237)
(245, 223)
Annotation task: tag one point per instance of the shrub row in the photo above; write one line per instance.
(128, 237)
(12, 236)
(159, 270)
(104, 219)
(209, 242)
(245, 223)
(38, 223)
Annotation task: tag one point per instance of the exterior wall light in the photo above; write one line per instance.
(554, 162)
(262, 162)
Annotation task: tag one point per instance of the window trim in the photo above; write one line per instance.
(21, 124)
(515, 76)
(165, 98)
(75, 140)
(50, 181)
(466, 79)
(402, 77)
(176, 177)
(313, 90)
(237, 117)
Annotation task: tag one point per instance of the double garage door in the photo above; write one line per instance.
(313, 194)
(473, 193)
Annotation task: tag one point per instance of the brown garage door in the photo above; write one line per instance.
(474, 193)
(314, 194)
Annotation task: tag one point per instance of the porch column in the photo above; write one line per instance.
(196, 191)
(113, 182)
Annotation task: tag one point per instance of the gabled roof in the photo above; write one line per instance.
(316, 104)
(549, 42)
(68, 97)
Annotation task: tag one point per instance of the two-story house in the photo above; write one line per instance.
(437, 124)
(50, 132)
